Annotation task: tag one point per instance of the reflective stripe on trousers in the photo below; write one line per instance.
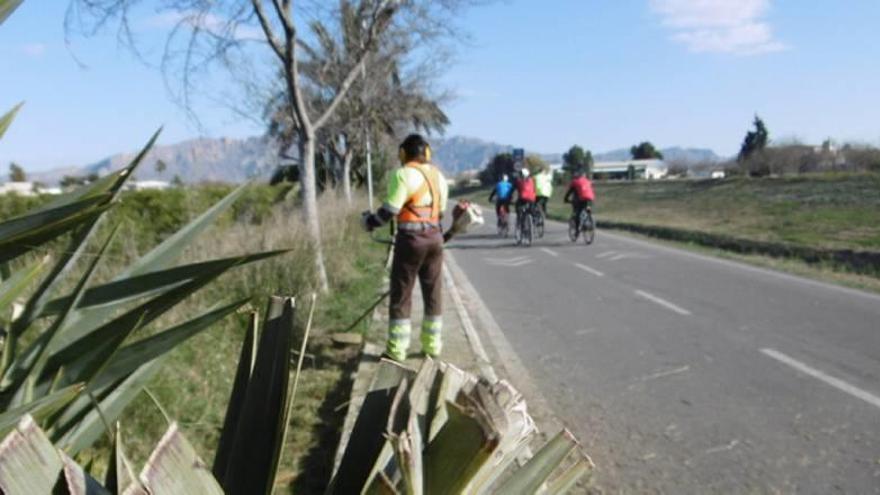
(399, 332)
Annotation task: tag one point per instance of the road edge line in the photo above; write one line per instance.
(513, 367)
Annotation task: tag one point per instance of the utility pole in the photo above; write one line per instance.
(367, 132)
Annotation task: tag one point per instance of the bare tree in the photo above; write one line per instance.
(382, 101)
(229, 33)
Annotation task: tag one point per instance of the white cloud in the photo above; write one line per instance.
(34, 49)
(719, 26)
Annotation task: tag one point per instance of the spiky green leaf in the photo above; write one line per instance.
(127, 289)
(13, 287)
(40, 408)
(6, 8)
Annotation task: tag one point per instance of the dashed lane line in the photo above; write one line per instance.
(550, 252)
(819, 375)
(663, 302)
(589, 269)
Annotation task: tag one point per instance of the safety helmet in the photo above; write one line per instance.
(525, 173)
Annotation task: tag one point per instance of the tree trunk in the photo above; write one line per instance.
(346, 175)
(310, 205)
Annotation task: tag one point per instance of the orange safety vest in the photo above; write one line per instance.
(410, 213)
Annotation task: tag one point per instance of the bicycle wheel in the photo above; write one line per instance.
(589, 230)
(528, 230)
(573, 229)
(539, 223)
(518, 231)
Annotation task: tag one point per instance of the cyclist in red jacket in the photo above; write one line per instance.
(525, 192)
(580, 194)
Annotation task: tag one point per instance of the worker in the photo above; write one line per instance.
(544, 188)
(417, 196)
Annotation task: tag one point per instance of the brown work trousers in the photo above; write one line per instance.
(417, 254)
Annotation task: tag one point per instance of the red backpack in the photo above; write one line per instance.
(583, 188)
(526, 189)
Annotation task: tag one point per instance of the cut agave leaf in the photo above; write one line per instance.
(174, 467)
(246, 360)
(529, 478)
(29, 463)
(253, 456)
(78, 481)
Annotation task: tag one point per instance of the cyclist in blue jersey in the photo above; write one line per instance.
(502, 194)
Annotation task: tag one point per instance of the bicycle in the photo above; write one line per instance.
(539, 218)
(503, 221)
(583, 226)
(525, 222)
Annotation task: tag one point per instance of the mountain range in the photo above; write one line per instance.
(235, 160)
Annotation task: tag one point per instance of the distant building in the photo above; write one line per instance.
(641, 169)
(718, 174)
(140, 185)
(20, 188)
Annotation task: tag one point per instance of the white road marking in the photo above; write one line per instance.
(550, 252)
(585, 331)
(661, 374)
(605, 254)
(663, 302)
(623, 256)
(819, 375)
(511, 262)
(589, 270)
(714, 450)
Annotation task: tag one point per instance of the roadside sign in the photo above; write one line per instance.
(519, 155)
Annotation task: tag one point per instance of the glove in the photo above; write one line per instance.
(366, 224)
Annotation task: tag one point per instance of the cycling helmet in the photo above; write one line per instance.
(504, 178)
(525, 173)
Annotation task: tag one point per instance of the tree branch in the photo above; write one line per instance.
(267, 29)
(382, 14)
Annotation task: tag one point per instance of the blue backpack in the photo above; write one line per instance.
(503, 190)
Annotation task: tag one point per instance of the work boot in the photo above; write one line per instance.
(398, 339)
(431, 337)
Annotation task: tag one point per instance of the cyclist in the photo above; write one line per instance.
(544, 188)
(502, 194)
(525, 194)
(580, 194)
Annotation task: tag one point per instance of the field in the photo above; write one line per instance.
(195, 384)
(839, 211)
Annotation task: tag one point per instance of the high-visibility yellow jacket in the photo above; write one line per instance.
(417, 193)
(544, 184)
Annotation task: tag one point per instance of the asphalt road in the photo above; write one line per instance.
(683, 373)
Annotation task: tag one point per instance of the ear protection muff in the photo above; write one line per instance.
(401, 154)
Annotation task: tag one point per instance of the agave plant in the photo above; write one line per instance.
(247, 457)
(69, 360)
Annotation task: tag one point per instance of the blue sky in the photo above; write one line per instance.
(540, 74)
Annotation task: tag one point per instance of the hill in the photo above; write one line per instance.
(235, 160)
